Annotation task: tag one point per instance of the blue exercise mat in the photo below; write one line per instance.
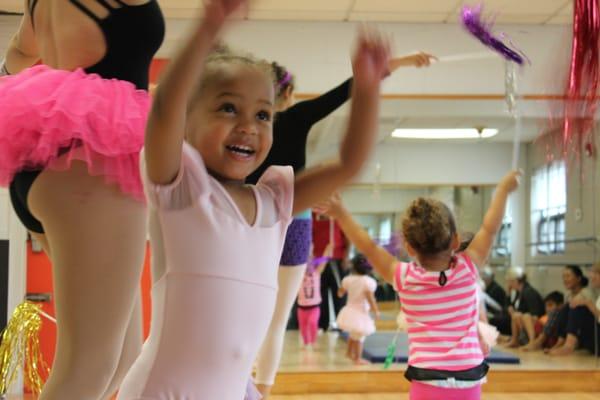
(375, 350)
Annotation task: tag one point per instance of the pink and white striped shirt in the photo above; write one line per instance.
(442, 320)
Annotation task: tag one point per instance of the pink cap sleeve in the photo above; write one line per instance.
(346, 281)
(470, 265)
(191, 182)
(371, 284)
(280, 182)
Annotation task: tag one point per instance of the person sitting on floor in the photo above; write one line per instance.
(547, 326)
(578, 319)
(527, 307)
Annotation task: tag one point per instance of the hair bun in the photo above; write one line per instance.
(429, 226)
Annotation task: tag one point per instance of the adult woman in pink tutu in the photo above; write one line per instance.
(70, 135)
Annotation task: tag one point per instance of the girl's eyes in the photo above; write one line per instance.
(227, 108)
(264, 115)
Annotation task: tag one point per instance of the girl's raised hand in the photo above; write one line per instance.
(333, 207)
(371, 58)
(217, 11)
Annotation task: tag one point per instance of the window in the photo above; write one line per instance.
(385, 230)
(548, 208)
(503, 239)
(502, 247)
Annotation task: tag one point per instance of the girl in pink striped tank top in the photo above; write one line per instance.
(437, 290)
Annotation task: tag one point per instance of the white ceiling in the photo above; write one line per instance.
(536, 12)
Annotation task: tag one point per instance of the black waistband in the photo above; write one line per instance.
(308, 307)
(423, 374)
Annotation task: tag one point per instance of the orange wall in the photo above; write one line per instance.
(157, 66)
(39, 280)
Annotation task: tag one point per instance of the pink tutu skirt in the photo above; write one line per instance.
(355, 320)
(50, 117)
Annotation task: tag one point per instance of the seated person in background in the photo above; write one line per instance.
(495, 292)
(526, 309)
(548, 324)
(577, 319)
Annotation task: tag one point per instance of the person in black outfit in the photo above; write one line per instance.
(527, 307)
(495, 291)
(498, 317)
(577, 318)
(292, 125)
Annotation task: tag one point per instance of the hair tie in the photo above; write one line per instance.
(285, 80)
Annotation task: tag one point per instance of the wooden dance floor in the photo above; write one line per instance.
(325, 374)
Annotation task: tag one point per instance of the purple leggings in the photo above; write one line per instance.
(297, 243)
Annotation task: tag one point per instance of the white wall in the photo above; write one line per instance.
(318, 52)
(362, 200)
(4, 214)
(431, 164)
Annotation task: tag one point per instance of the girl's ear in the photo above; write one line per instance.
(289, 92)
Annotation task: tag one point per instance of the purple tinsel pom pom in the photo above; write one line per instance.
(473, 21)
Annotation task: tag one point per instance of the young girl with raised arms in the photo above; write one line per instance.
(437, 290)
(209, 128)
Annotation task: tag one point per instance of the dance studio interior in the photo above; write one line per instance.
(398, 199)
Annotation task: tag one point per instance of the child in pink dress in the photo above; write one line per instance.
(354, 318)
(438, 292)
(209, 128)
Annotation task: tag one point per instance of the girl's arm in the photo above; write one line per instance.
(22, 49)
(327, 253)
(341, 292)
(166, 124)
(321, 267)
(373, 303)
(383, 262)
(318, 183)
(420, 59)
(480, 247)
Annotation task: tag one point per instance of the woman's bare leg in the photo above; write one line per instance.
(529, 326)
(132, 346)
(96, 236)
(516, 325)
